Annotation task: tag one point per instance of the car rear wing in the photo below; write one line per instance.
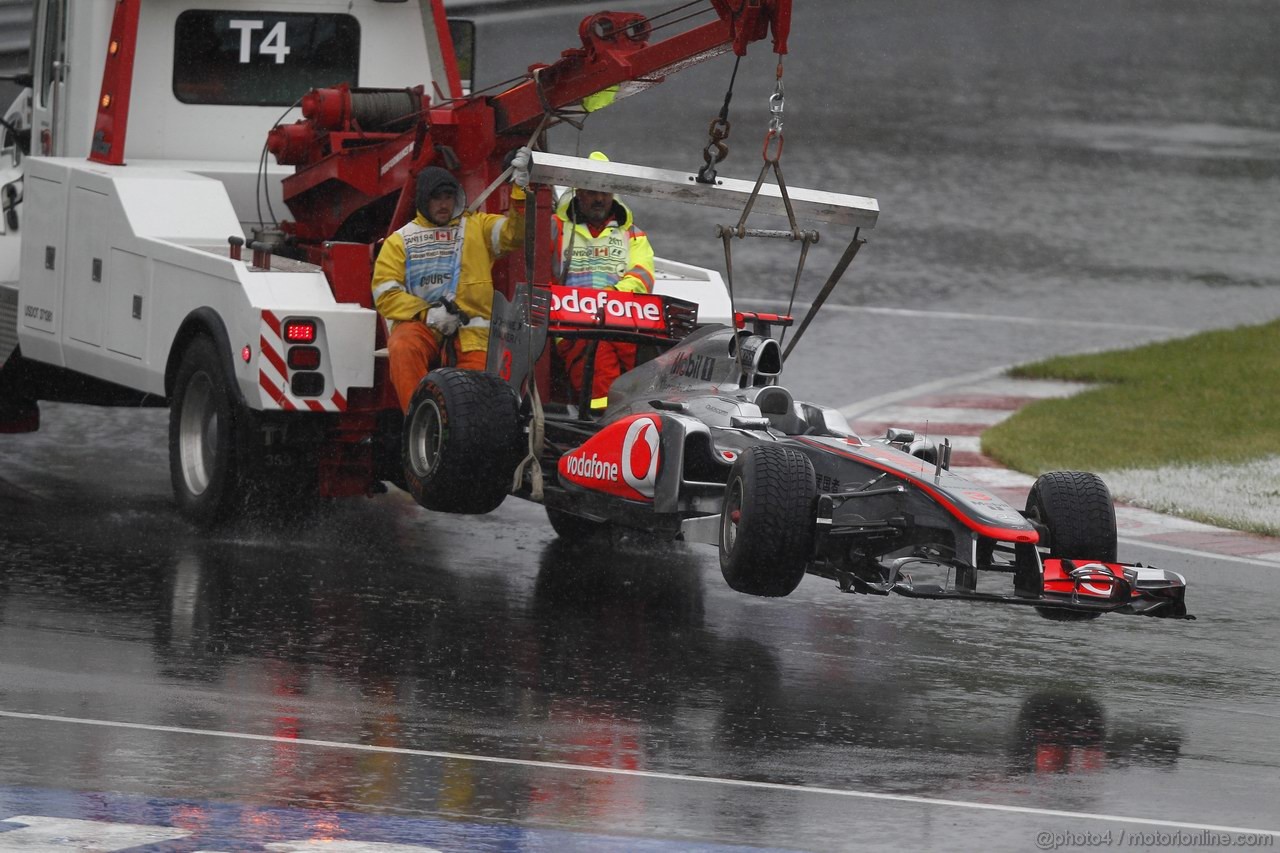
(519, 326)
(616, 313)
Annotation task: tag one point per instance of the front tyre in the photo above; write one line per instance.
(1077, 508)
(1078, 511)
(767, 522)
(460, 444)
(204, 459)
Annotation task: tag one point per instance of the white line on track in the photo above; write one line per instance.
(853, 411)
(920, 314)
(949, 415)
(643, 774)
(1190, 552)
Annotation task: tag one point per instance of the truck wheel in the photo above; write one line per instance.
(203, 452)
(766, 524)
(574, 527)
(1077, 509)
(460, 441)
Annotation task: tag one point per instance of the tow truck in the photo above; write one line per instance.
(161, 272)
(157, 278)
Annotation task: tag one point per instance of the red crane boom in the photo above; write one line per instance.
(357, 151)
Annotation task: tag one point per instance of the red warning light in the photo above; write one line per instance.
(304, 358)
(300, 331)
(246, 353)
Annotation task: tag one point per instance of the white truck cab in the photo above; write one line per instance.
(140, 211)
(109, 272)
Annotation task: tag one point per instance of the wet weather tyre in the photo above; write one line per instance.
(575, 528)
(1077, 508)
(1078, 511)
(460, 444)
(767, 522)
(204, 457)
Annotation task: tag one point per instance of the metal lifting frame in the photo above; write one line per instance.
(726, 193)
(797, 203)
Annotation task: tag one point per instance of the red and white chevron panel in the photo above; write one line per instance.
(273, 374)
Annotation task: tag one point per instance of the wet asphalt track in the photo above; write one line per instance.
(378, 674)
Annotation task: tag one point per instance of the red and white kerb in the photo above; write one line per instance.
(273, 374)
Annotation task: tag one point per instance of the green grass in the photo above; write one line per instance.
(1211, 398)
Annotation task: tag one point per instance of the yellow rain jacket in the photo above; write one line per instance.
(619, 257)
(422, 263)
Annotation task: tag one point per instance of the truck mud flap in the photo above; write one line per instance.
(18, 413)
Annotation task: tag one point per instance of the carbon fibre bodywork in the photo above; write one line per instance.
(887, 514)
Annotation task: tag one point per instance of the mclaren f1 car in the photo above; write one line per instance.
(701, 442)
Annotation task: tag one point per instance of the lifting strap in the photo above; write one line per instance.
(772, 155)
(532, 461)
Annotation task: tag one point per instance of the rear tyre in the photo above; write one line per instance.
(767, 522)
(204, 459)
(1078, 511)
(460, 445)
(576, 528)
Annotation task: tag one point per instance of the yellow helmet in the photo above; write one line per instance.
(600, 100)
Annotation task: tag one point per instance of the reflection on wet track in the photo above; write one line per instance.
(377, 660)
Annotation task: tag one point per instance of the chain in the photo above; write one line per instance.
(718, 132)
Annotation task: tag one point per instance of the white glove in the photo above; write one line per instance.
(520, 167)
(442, 321)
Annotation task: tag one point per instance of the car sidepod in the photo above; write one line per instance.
(645, 471)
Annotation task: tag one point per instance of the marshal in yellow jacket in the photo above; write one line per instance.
(422, 264)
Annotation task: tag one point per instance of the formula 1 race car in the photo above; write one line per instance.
(700, 443)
